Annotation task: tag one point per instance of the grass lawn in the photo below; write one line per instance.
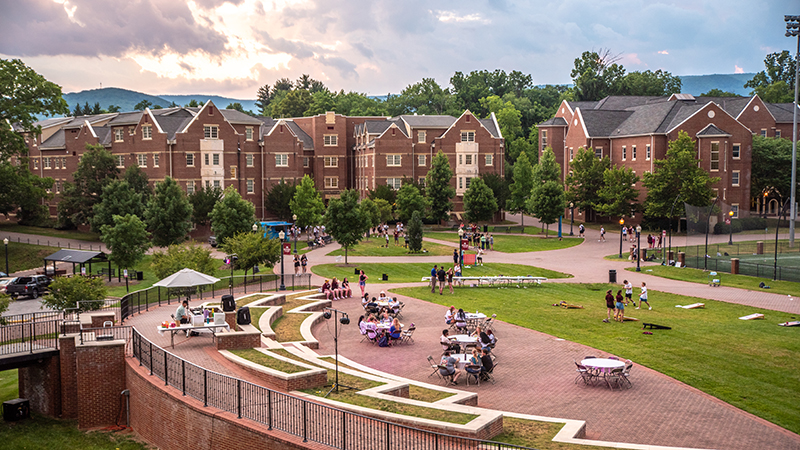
(530, 433)
(44, 433)
(26, 256)
(261, 359)
(50, 232)
(697, 351)
(413, 272)
(373, 247)
(737, 281)
(516, 243)
(255, 315)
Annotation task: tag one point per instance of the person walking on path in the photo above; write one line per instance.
(624, 233)
(441, 275)
(620, 314)
(491, 241)
(296, 266)
(628, 292)
(304, 263)
(609, 306)
(433, 279)
(450, 273)
(455, 257)
(581, 230)
(602, 235)
(362, 281)
(643, 296)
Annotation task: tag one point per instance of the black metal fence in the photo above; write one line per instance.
(719, 259)
(27, 333)
(309, 420)
(120, 333)
(56, 243)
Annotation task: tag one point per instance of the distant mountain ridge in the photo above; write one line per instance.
(127, 99)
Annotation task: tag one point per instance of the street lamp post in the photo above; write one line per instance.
(460, 247)
(282, 235)
(730, 227)
(5, 242)
(793, 30)
(621, 224)
(571, 217)
(638, 247)
(294, 231)
(255, 228)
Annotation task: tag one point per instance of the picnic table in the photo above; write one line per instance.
(500, 279)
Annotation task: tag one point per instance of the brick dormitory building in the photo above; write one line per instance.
(635, 131)
(207, 146)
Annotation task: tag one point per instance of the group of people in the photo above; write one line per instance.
(298, 262)
(441, 276)
(616, 305)
(375, 314)
(383, 230)
(334, 290)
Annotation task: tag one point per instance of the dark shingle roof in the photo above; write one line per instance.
(782, 112)
(555, 121)
(238, 117)
(172, 124)
(77, 122)
(428, 121)
(603, 123)
(56, 141)
(308, 143)
(582, 105)
(103, 135)
(128, 118)
(711, 130)
(75, 256)
(646, 118)
(376, 127)
(619, 102)
(682, 114)
(489, 124)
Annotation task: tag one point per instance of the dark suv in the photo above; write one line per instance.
(31, 286)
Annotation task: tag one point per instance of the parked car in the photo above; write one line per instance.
(4, 282)
(28, 286)
(212, 240)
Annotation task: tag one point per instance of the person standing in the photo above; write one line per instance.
(304, 263)
(609, 306)
(433, 279)
(624, 233)
(620, 314)
(602, 234)
(581, 230)
(483, 242)
(442, 276)
(628, 292)
(455, 257)
(457, 272)
(296, 266)
(491, 241)
(362, 281)
(643, 296)
(450, 273)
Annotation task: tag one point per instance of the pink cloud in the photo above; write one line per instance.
(738, 69)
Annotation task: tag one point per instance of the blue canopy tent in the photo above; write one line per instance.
(271, 229)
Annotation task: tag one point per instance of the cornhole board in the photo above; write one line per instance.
(469, 260)
(568, 306)
(795, 323)
(752, 316)
(631, 319)
(694, 306)
(653, 326)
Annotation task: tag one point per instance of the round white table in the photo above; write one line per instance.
(463, 339)
(604, 365)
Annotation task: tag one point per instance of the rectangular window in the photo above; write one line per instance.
(735, 209)
(421, 137)
(647, 152)
(394, 183)
(120, 161)
(211, 131)
(57, 163)
(736, 151)
(422, 160)
(394, 160)
(141, 160)
(460, 160)
(217, 184)
(460, 183)
(46, 162)
(282, 160)
(331, 182)
(489, 160)
(715, 156)
(248, 133)
(598, 152)
(467, 182)
(251, 187)
(544, 138)
(58, 186)
(305, 161)
(763, 132)
(156, 158)
(571, 153)
(421, 181)
(467, 136)
(64, 162)
(331, 140)
(206, 159)
(215, 159)
(36, 163)
(147, 132)
(633, 153)
(190, 160)
(777, 133)
(735, 178)
(131, 130)
(624, 153)
(190, 187)
(119, 134)
(233, 172)
(467, 160)
(249, 160)
(331, 161)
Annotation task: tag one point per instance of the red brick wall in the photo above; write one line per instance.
(756, 117)
(295, 383)
(41, 385)
(100, 380)
(238, 340)
(69, 377)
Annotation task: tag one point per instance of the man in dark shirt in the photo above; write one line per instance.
(441, 274)
(486, 363)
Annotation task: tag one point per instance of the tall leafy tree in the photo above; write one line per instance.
(415, 232)
(96, 170)
(77, 111)
(293, 105)
(424, 97)
(678, 173)
(321, 102)
(203, 201)
(278, 200)
(22, 192)
(232, 214)
(508, 116)
(252, 250)
(650, 83)
(307, 203)
(499, 187)
(718, 93)
(775, 84)
(371, 212)
(771, 167)
(584, 183)
(385, 210)
(521, 187)
(138, 181)
(479, 202)
(345, 221)
(385, 192)
(168, 214)
(439, 193)
(617, 196)
(409, 200)
(142, 105)
(597, 75)
(188, 255)
(263, 98)
(118, 199)
(66, 292)
(548, 199)
(127, 239)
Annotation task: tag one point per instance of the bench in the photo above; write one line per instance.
(516, 229)
(500, 229)
(106, 271)
(327, 239)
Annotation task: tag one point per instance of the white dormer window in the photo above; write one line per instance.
(211, 131)
(467, 136)
(147, 132)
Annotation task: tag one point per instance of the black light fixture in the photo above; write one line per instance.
(326, 314)
(344, 320)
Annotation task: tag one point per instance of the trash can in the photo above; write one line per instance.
(612, 276)
(139, 276)
(385, 277)
(486, 228)
(357, 271)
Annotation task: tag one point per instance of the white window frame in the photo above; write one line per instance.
(394, 160)
(421, 135)
(735, 178)
(306, 161)
(763, 132)
(467, 182)
(598, 152)
(421, 181)
(633, 153)
(249, 160)
(468, 136)
(281, 160)
(736, 151)
(35, 163)
(206, 159)
(489, 160)
(777, 133)
(141, 160)
(211, 131)
(624, 153)
(330, 140)
(46, 162)
(711, 159)
(215, 159)
(544, 138)
(147, 132)
(648, 152)
(394, 182)
(190, 187)
(571, 153)
(190, 160)
(331, 182)
(217, 184)
(248, 133)
(422, 160)
(468, 159)
(156, 159)
(119, 135)
(120, 161)
(251, 186)
(330, 161)
(735, 209)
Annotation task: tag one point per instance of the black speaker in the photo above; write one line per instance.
(243, 316)
(356, 271)
(385, 277)
(228, 303)
(16, 409)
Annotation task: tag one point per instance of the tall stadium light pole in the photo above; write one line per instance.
(793, 30)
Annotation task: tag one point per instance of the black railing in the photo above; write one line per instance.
(29, 336)
(57, 243)
(121, 333)
(306, 419)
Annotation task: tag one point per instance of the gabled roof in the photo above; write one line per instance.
(394, 125)
(415, 121)
(602, 123)
(238, 117)
(554, 122)
(77, 122)
(127, 118)
(649, 118)
(75, 256)
(377, 127)
(582, 105)
(55, 142)
(711, 130)
(782, 112)
(173, 124)
(308, 142)
(490, 125)
(103, 135)
(52, 122)
(620, 102)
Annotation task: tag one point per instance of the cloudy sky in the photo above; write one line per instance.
(372, 46)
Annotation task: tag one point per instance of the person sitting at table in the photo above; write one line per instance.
(385, 317)
(395, 329)
(483, 338)
(346, 291)
(449, 369)
(382, 296)
(449, 316)
(473, 367)
(447, 344)
(182, 313)
(394, 305)
(365, 300)
(461, 320)
(362, 325)
(486, 364)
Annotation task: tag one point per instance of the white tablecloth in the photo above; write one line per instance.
(603, 364)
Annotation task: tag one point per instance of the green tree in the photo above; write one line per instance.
(469, 89)
(597, 75)
(237, 106)
(371, 212)
(415, 232)
(771, 166)
(508, 116)
(617, 196)
(113, 108)
(5, 302)
(439, 193)
(424, 97)
(548, 198)
(278, 200)
(118, 199)
(677, 173)
(193, 104)
(479, 202)
(97, 168)
(385, 209)
(775, 84)
(345, 221)
(232, 214)
(385, 192)
(355, 104)
(409, 200)
(584, 183)
(647, 83)
(138, 181)
(22, 192)
(142, 105)
(65, 292)
(521, 187)
(203, 201)
(307, 203)
(263, 98)
(252, 250)
(321, 102)
(168, 214)
(293, 105)
(282, 85)
(718, 93)
(127, 239)
(78, 111)
(499, 187)
(177, 257)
